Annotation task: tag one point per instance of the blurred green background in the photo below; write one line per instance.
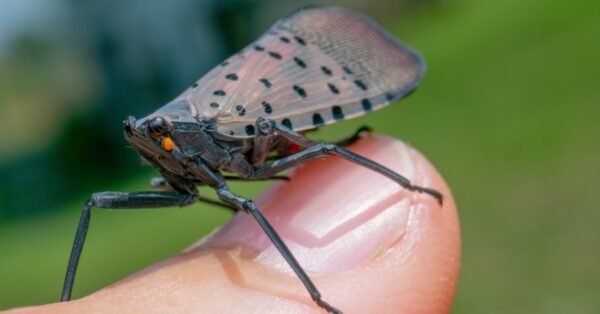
(509, 112)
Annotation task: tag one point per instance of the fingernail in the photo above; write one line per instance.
(333, 214)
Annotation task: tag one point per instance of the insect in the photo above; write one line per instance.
(314, 67)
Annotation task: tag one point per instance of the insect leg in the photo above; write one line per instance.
(276, 177)
(354, 137)
(250, 207)
(319, 150)
(115, 200)
(161, 184)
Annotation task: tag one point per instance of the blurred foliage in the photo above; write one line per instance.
(508, 112)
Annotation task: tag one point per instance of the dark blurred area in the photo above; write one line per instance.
(508, 112)
(93, 65)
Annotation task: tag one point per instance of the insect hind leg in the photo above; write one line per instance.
(275, 177)
(315, 150)
(358, 134)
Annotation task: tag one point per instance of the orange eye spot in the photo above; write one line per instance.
(167, 144)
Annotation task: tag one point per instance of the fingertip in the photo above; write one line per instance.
(423, 267)
(418, 272)
(368, 244)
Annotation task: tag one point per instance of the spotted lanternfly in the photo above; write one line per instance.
(314, 67)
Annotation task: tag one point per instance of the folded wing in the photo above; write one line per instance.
(314, 67)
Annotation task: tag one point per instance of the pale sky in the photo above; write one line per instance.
(18, 16)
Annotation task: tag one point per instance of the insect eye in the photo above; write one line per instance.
(158, 127)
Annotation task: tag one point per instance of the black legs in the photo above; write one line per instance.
(248, 206)
(136, 200)
(354, 137)
(319, 150)
(80, 234)
(115, 200)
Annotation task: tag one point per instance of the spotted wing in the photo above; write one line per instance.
(314, 67)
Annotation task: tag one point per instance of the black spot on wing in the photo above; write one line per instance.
(318, 120)
(333, 88)
(275, 55)
(195, 85)
(214, 105)
(240, 110)
(267, 107)
(265, 82)
(337, 113)
(259, 48)
(347, 70)
(231, 76)
(389, 96)
(366, 104)
(300, 91)
(250, 129)
(300, 62)
(360, 84)
(284, 39)
(219, 92)
(300, 40)
(326, 70)
(287, 123)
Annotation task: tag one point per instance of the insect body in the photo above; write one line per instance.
(317, 66)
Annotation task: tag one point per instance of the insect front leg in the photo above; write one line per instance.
(250, 207)
(316, 150)
(116, 200)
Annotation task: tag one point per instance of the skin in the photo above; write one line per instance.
(369, 246)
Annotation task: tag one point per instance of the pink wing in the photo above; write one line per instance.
(314, 67)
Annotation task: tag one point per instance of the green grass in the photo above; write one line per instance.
(36, 251)
(509, 114)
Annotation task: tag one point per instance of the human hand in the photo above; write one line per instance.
(369, 246)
